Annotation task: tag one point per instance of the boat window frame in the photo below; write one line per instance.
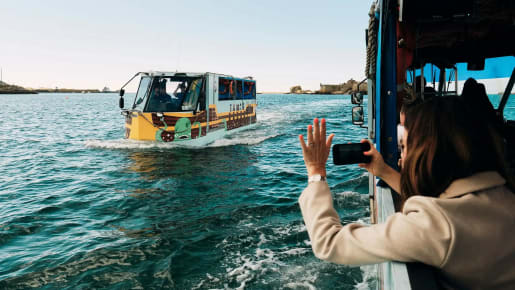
(252, 93)
(231, 97)
(238, 95)
(190, 80)
(145, 94)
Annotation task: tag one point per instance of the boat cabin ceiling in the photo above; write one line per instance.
(447, 32)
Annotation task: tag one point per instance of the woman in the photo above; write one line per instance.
(458, 209)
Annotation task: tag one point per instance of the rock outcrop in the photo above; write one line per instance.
(6, 88)
(296, 90)
(343, 88)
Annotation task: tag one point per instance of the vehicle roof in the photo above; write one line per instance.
(449, 32)
(187, 74)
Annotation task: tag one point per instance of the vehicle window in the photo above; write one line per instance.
(249, 90)
(169, 94)
(226, 89)
(192, 95)
(140, 99)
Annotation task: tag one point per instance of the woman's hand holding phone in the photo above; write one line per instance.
(376, 166)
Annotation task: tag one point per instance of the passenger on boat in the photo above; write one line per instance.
(475, 94)
(159, 99)
(406, 104)
(180, 90)
(429, 92)
(458, 211)
(179, 94)
(400, 131)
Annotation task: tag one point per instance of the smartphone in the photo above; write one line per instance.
(350, 153)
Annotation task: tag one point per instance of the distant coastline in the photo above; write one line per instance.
(6, 88)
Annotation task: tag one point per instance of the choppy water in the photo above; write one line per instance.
(82, 208)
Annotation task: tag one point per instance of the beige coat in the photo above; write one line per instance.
(468, 232)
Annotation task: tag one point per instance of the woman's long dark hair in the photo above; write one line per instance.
(448, 139)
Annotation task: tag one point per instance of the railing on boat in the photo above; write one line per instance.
(396, 275)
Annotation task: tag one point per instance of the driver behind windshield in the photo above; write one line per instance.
(159, 99)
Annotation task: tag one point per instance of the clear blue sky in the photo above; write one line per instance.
(92, 44)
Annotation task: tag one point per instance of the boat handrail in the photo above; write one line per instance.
(397, 275)
(393, 274)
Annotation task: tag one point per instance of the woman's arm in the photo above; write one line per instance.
(421, 233)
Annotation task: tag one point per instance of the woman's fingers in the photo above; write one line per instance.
(372, 148)
(316, 137)
(329, 141)
(328, 144)
(302, 143)
(322, 130)
(310, 135)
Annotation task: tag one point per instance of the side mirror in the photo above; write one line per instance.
(122, 92)
(356, 98)
(121, 103)
(358, 116)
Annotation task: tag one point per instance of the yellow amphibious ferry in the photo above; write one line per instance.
(189, 108)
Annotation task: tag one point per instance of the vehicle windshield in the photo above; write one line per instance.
(174, 94)
(140, 99)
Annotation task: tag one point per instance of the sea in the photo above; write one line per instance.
(81, 207)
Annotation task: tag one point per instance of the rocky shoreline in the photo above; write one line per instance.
(6, 88)
(12, 89)
(345, 88)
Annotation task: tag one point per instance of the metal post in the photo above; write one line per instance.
(507, 93)
(422, 85)
(456, 78)
(441, 82)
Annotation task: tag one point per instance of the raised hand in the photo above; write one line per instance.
(317, 150)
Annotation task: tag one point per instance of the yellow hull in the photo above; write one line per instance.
(162, 127)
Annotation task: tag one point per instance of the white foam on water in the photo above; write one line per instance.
(250, 266)
(127, 144)
(296, 251)
(289, 230)
(370, 278)
(270, 116)
(142, 145)
(262, 240)
(300, 285)
(349, 194)
(247, 140)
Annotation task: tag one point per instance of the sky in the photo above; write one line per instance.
(92, 44)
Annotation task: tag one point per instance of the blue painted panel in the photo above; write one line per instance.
(389, 94)
(386, 92)
(377, 139)
(498, 67)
